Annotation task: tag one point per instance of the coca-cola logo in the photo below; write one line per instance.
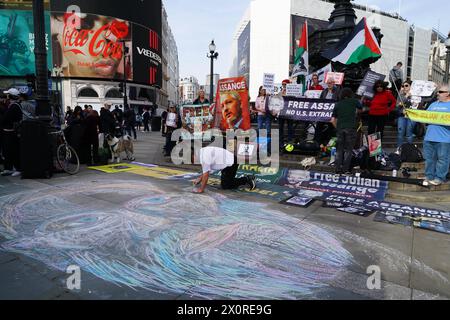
(105, 41)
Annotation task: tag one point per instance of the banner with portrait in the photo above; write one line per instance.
(17, 42)
(197, 119)
(91, 46)
(232, 104)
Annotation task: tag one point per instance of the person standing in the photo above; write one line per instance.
(396, 78)
(315, 83)
(405, 125)
(282, 121)
(382, 104)
(214, 159)
(344, 120)
(129, 121)
(11, 142)
(90, 144)
(68, 114)
(264, 118)
(171, 124)
(201, 98)
(146, 120)
(324, 132)
(107, 121)
(437, 143)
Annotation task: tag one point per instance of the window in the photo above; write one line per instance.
(87, 93)
(114, 94)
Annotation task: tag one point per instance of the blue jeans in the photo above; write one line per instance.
(265, 122)
(405, 126)
(437, 160)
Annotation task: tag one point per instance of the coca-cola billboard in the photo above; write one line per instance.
(89, 39)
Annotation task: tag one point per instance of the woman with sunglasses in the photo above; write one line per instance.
(382, 104)
(436, 145)
(405, 125)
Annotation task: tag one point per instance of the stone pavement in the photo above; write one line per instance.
(136, 237)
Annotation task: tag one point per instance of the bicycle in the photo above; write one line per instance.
(66, 156)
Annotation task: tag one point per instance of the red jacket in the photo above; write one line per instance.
(382, 104)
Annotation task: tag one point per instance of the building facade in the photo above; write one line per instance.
(273, 28)
(438, 55)
(207, 85)
(189, 88)
(93, 48)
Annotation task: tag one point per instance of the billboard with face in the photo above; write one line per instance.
(91, 46)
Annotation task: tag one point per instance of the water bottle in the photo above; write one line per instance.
(333, 155)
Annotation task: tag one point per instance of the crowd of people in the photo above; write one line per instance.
(81, 126)
(388, 106)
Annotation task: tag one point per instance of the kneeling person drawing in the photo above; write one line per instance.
(214, 159)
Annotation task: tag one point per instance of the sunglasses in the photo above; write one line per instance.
(442, 92)
(405, 86)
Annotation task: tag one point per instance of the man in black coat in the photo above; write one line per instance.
(107, 121)
(11, 142)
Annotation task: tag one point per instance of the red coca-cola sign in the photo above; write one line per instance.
(104, 41)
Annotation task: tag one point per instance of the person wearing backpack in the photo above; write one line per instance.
(11, 142)
(437, 143)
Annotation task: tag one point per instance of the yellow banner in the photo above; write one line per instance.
(429, 117)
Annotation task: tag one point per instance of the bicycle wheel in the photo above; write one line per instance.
(68, 159)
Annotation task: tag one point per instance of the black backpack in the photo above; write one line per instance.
(410, 153)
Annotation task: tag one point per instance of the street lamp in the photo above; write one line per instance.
(447, 60)
(125, 55)
(212, 55)
(43, 110)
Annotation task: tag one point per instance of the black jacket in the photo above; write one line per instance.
(107, 122)
(13, 115)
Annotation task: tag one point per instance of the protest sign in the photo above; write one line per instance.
(294, 90)
(232, 104)
(422, 88)
(313, 94)
(374, 144)
(336, 77)
(429, 117)
(269, 82)
(317, 110)
(314, 184)
(197, 119)
(366, 87)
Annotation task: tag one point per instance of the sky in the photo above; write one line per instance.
(195, 23)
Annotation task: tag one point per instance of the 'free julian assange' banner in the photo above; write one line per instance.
(317, 110)
(429, 117)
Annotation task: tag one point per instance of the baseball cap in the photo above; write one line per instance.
(287, 81)
(13, 92)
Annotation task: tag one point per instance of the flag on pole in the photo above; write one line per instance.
(358, 46)
(301, 64)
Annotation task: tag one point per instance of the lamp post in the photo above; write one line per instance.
(43, 110)
(447, 60)
(125, 55)
(212, 55)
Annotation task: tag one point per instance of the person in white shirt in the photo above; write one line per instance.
(215, 159)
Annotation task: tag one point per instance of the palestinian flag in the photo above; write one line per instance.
(301, 64)
(356, 47)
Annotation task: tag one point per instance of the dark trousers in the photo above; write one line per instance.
(128, 130)
(346, 139)
(377, 123)
(290, 125)
(11, 150)
(228, 179)
(90, 153)
(146, 127)
(168, 147)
